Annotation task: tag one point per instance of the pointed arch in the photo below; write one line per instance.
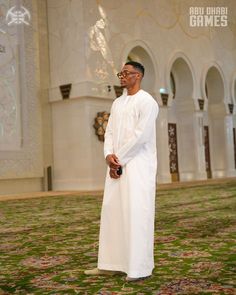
(206, 70)
(140, 51)
(233, 89)
(179, 55)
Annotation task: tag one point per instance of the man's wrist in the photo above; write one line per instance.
(107, 154)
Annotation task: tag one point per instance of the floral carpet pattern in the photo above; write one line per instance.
(47, 243)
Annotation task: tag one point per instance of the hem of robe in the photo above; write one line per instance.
(131, 274)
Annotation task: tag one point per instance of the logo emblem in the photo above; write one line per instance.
(18, 16)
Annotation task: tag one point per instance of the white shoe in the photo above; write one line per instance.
(98, 272)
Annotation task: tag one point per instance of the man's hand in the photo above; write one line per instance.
(113, 163)
(113, 173)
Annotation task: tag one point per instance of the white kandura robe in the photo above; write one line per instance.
(127, 218)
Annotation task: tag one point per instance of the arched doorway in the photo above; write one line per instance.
(139, 54)
(214, 125)
(180, 122)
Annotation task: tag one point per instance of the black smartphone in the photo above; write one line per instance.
(119, 170)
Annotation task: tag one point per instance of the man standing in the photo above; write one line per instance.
(127, 218)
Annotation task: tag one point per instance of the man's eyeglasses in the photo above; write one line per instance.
(125, 74)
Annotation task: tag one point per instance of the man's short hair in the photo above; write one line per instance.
(138, 66)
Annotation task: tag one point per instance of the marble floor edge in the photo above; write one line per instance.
(164, 186)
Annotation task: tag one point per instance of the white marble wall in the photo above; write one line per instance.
(20, 110)
(86, 42)
(10, 88)
(78, 155)
(89, 41)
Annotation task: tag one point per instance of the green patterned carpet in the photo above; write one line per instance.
(47, 243)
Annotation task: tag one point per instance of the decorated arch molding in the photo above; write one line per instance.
(204, 75)
(232, 88)
(172, 59)
(135, 43)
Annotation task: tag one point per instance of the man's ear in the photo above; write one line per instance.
(140, 76)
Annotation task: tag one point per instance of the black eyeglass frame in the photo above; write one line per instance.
(125, 74)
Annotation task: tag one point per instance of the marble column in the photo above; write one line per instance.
(229, 146)
(221, 136)
(199, 148)
(163, 170)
